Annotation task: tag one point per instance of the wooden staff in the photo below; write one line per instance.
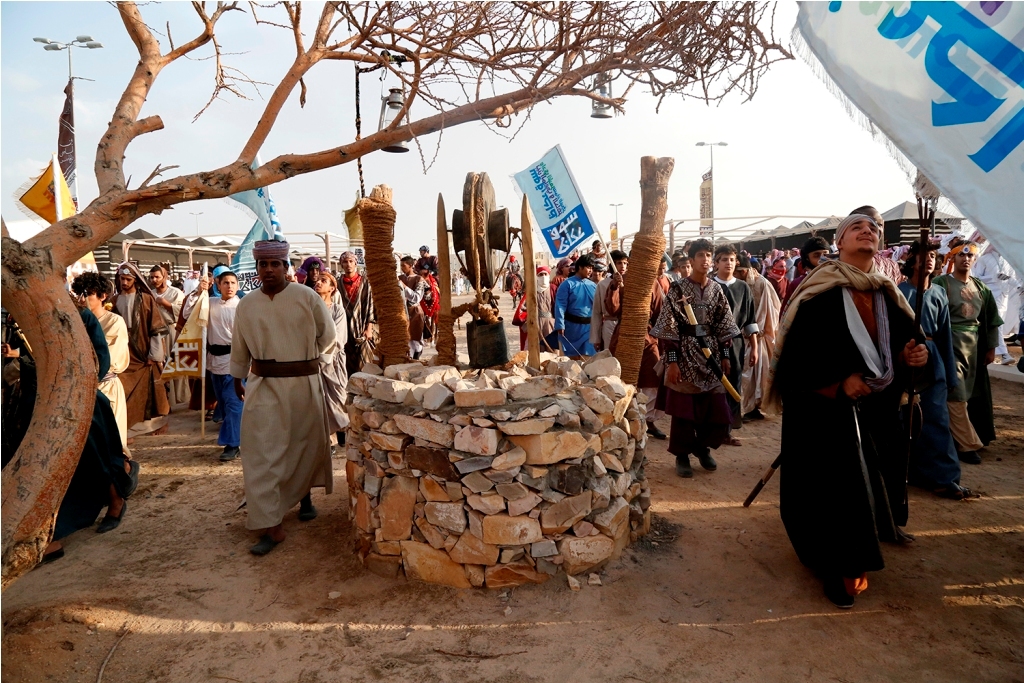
(713, 364)
(446, 351)
(769, 473)
(530, 279)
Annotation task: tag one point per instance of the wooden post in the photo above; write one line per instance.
(446, 350)
(530, 278)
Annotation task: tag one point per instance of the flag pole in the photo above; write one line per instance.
(202, 385)
(57, 195)
(202, 367)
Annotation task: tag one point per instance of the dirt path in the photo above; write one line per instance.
(716, 594)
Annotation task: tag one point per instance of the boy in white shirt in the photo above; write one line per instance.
(218, 361)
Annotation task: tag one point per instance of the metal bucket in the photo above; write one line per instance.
(488, 345)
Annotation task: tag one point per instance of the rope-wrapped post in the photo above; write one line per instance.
(645, 255)
(446, 353)
(378, 218)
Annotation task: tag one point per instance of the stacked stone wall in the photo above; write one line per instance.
(493, 478)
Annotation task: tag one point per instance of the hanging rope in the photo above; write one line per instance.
(359, 136)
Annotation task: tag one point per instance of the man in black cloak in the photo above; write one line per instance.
(840, 366)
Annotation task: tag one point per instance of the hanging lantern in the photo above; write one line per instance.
(389, 108)
(602, 87)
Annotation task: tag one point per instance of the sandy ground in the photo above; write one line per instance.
(715, 594)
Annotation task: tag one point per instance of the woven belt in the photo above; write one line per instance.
(296, 368)
(578, 319)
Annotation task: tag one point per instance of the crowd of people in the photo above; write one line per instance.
(826, 331)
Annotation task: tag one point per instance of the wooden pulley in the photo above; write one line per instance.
(480, 230)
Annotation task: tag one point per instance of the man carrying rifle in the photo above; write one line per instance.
(693, 394)
(841, 361)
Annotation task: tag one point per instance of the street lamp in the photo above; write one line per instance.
(196, 216)
(53, 46)
(711, 207)
(616, 207)
(80, 41)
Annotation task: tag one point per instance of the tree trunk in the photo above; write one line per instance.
(36, 479)
(378, 219)
(645, 255)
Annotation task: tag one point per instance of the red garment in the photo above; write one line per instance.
(432, 307)
(555, 281)
(351, 286)
(779, 284)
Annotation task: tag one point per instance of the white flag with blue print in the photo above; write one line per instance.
(945, 82)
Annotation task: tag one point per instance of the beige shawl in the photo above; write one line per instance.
(823, 278)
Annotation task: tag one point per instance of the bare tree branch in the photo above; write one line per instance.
(158, 171)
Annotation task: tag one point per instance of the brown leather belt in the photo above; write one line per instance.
(273, 368)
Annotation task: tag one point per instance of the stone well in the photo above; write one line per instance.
(493, 478)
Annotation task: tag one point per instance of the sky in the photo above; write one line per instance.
(792, 150)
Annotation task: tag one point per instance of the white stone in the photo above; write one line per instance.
(535, 426)
(596, 400)
(390, 390)
(426, 429)
(538, 387)
(490, 504)
(603, 367)
(449, 516)
(613, 438)
(371, 369)
(551, 447)
(509, 459)
(401, 371)
(613, 386)
(436, 396)
(470, 398)
(478, 440)
(610, 462)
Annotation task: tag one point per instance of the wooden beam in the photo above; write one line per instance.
(530, 278)
(446, 351)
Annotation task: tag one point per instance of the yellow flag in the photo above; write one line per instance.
(40, 197)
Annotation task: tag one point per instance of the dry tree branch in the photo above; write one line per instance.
(158, 171)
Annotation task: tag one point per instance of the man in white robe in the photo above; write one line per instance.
(280, 332)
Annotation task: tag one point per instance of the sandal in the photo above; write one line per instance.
(133, 476)
(307, 511)
(265, 545)
(52, 556)
(109, 522)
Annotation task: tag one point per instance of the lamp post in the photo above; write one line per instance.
(711, 208)
(196, 216)
(616, 207)
(81, 41)
(52, 46)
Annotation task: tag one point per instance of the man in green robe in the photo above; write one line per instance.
(975, 322)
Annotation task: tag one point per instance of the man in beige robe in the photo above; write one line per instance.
(280, 332)
(766, 311)
(93, 289)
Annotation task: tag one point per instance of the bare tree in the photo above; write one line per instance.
(457, 62)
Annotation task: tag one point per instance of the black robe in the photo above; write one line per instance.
(836, 503)
(741, 301)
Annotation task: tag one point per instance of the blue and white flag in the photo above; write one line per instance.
(556, 202)
(944, 81)
(266, 227)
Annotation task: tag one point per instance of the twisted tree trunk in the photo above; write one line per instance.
(648, 248)
(34, 481)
